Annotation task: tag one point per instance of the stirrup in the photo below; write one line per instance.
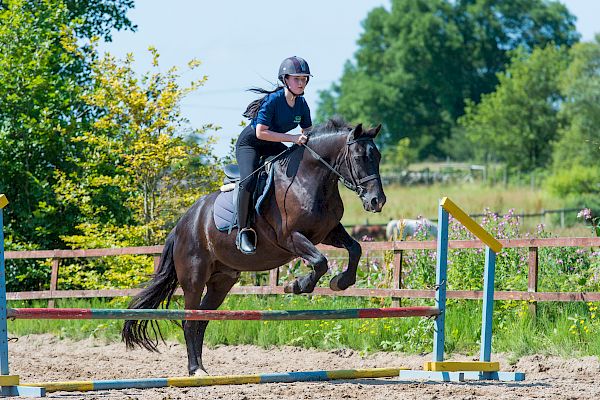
(238, 241)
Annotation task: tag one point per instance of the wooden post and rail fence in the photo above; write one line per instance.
(396, 291)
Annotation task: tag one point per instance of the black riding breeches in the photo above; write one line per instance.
(248, 151)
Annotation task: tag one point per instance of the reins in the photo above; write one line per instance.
(356, 184)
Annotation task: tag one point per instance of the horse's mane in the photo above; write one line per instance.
(334, 124)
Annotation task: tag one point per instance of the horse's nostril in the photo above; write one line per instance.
(374, 202)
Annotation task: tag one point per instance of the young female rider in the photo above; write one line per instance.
(278, 112)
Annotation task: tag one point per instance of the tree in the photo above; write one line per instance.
(418, 62)
(142, 163)
(141, 166)
(518, 123)
(44, 69)
(575, 166)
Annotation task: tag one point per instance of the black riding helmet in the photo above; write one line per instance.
(293, 66)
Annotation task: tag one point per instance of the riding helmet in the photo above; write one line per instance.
(293, 66)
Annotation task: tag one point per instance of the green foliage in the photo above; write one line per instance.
(141, 166)
(44, 68)
(419, 61)
(576, 171)
(398, 156)
(24, 275)
(518, 122)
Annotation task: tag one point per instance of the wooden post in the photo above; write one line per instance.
(53, 280)
(273, 279)
(156, 263)
(397, 277)
(532, 278)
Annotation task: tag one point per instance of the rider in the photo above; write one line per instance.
(272, 116)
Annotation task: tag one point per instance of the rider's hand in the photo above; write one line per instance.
(301, 139)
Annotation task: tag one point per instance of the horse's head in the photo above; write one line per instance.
(361, 167)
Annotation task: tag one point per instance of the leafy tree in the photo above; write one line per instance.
(417, 62)
(576, 170)
(44, 69)
(142, 163)
(141, 166)
(518, 123)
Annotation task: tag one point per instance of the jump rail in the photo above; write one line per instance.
(220, 315)
(285, 377)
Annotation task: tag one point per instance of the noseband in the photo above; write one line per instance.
(356, 183)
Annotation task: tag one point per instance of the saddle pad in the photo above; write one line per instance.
(225, 209)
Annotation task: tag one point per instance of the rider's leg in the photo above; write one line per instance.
(247, 158)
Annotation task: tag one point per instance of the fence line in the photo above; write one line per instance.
(396, 291)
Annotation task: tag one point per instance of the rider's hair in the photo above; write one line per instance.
(252, 109)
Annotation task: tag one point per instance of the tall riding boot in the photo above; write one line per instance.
(246, 237)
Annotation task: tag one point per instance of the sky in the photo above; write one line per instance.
(242, 43)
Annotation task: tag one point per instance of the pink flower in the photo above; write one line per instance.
(586, 214)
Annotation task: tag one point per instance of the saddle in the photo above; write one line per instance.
(225, 209)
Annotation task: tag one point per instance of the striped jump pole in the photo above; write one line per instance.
(285, 377)
(212, 315)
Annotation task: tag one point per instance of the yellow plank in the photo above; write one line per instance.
(72, 386)
(9, 380)
(3, 201)
(454, 366)
(471, 225)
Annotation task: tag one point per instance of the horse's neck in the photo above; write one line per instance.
(329, 148)
(313, 174)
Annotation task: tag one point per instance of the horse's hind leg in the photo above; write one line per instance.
(217, 287)
(302, 247)
(338, 237)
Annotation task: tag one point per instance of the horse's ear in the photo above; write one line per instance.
(374, 131)
(356, 132)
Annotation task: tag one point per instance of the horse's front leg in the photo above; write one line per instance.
(299, 245)
(338, 237)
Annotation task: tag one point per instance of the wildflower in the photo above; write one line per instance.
(586, 214)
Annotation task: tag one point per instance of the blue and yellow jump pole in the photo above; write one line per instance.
(286, 377)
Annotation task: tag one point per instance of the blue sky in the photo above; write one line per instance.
(241, 44)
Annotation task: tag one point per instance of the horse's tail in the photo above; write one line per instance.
(160, 288)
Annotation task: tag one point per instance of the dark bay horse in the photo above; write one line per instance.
(303, 209)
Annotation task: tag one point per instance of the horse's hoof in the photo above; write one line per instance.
(292, 287)
(200, 372)
(334, 283)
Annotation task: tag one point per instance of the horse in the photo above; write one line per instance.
(303, 208)
(368, 232)
(400, 229)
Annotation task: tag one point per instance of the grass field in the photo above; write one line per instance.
(414, 201)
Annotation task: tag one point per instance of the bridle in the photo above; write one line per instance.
(355, 184)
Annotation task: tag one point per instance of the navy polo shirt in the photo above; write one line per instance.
(279, 116)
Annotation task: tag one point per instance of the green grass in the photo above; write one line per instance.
(515, 331)
(414, 201)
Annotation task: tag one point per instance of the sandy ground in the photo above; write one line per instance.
(47, 358)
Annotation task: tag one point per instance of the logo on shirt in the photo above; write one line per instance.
(297, 119)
